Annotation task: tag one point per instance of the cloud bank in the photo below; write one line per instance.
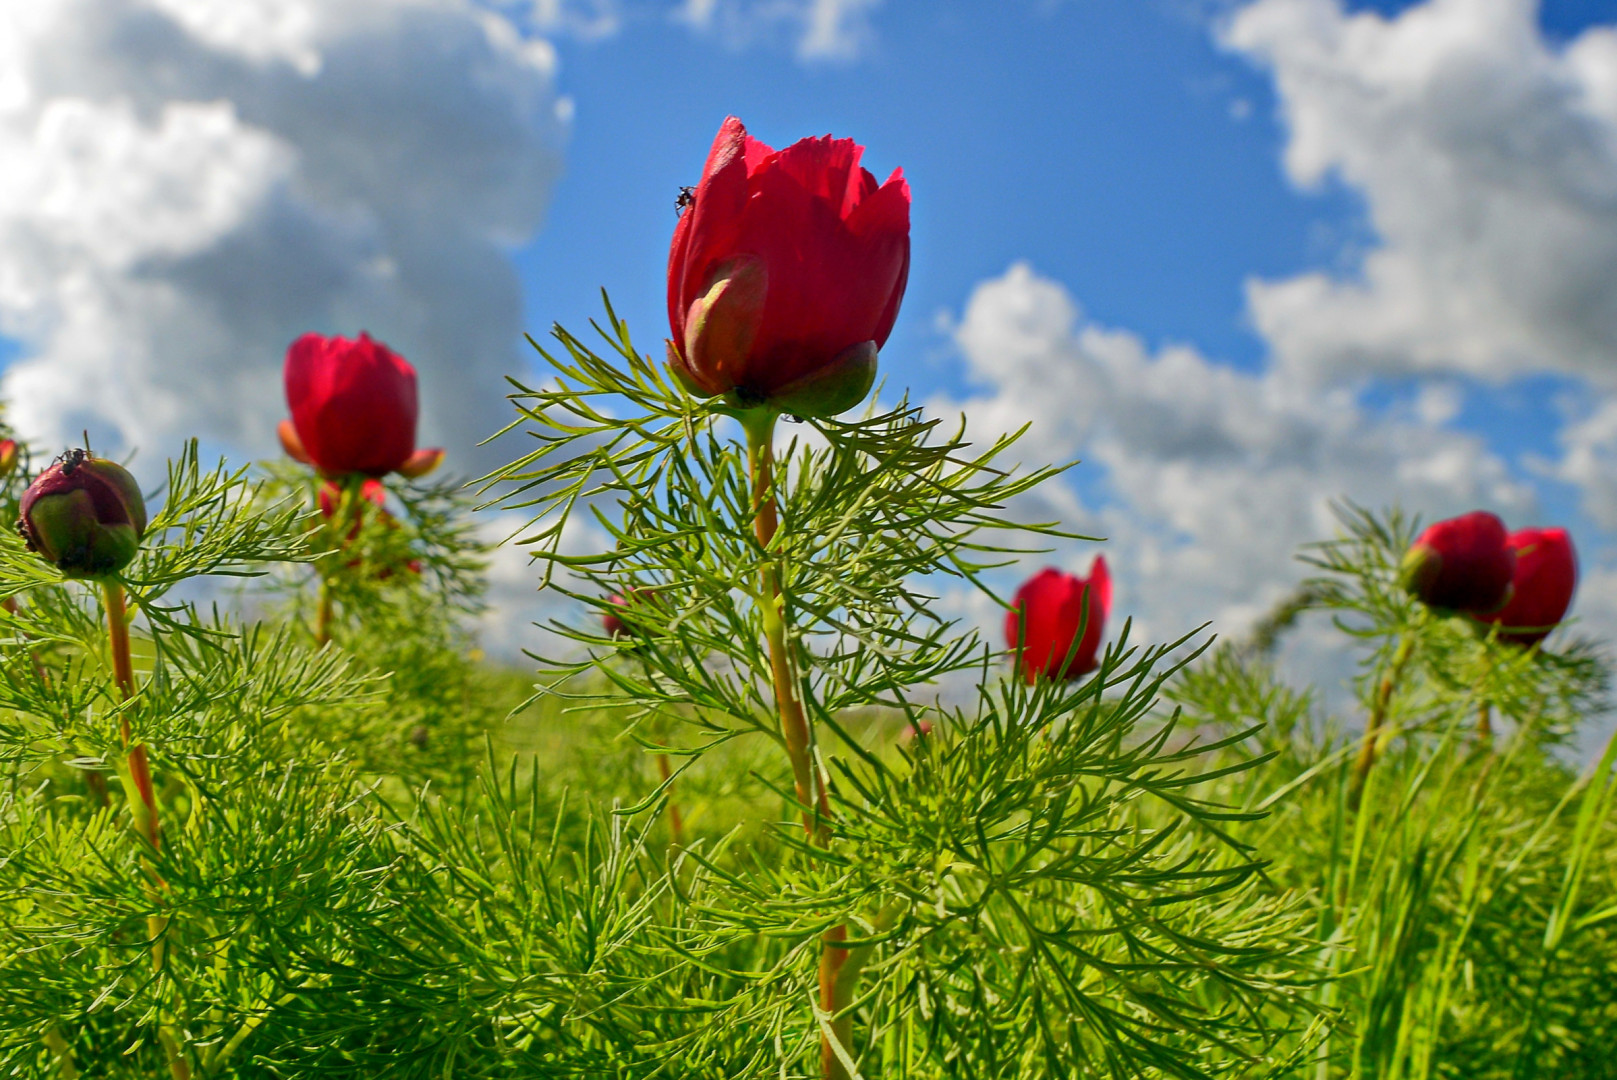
(192, 183)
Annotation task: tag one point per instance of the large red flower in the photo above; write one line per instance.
(1545, 579)
(1461, 564)
(353, 408)
(786, 273)
(1045, 618)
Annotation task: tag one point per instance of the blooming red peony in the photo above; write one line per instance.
(786, 273)
(353, 408)
(1462, 564)
(1546, 577)
(1045, 617)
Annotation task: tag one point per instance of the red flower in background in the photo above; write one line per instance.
(614, 626)
(8, 456)
(786, 273)
(1046, 615)
(354, 408)
(371, 491)
(1463, 564)
(1545, 578)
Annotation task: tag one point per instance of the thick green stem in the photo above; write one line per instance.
(1378, 718)
(835, 992)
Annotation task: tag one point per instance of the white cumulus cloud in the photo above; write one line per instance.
(190, 184)
(1204, 480)
(821, 29)
(1487, 160)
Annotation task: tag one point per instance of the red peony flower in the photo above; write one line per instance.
(786, 273)
(353, 408)
(1546, 577)
(1463, 564)
(1045, 618)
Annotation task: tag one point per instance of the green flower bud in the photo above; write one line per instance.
(84, 515)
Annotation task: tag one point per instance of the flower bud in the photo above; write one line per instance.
(1461, 564)
(85, 515)
(8, 457)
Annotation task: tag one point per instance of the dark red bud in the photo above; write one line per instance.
(84, 515)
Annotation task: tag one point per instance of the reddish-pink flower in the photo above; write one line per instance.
(786, 273)
(1462, 564)
(8, 456)
(1046, 616)
(1546, 577)
(353, 408)
(370, 491)
(614, 626)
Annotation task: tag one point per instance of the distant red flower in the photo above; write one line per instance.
(1045, 617)
(8, 456)
(1461, 564)
(354, 408)
(370, 491)
(1546, 577)
(786, 273)
(912, 732)
(614, 626)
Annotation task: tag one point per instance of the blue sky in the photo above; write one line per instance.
(1242, 256)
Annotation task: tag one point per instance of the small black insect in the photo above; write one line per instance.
(72, 459)
(686, 197)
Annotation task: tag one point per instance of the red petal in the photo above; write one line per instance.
(1100, 580)
(715, 221)
(827, 168)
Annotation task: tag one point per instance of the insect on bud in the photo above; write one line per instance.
(84, 515)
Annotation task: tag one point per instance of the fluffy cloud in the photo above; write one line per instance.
(189, 184)
(1487, 160)
(822, 29)
(1204, 479)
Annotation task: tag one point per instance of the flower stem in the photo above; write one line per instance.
(144, 806)
(835, 992)
(676, 824)
(142, 801)
(1378, 718)
(322, 618)
(794, 729)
